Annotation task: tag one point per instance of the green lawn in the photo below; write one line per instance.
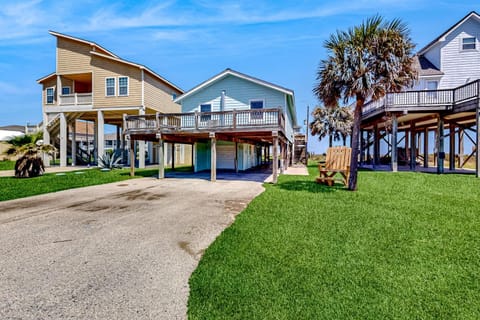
(405, 246)
(13, 188)
(7, 165)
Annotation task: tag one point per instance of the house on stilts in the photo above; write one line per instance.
(428, 126)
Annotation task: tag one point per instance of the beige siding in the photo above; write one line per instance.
(158, 96)
(72, 57)
(105, 68)
(48, 84)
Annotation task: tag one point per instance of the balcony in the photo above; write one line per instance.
(195, 122)
(76, 99)
(426, 100)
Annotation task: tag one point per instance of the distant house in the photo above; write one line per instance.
(234, 121)
(93, 84)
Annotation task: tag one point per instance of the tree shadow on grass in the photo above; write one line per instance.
(310, 186)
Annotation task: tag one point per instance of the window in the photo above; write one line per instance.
(110, 87)
(65, 90)
(432, 85)
(50, 93)
(174, 96)
(205, 108)
(123, 86)
(256, 104)
(469, 43)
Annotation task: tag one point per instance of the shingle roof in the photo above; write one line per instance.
(425, 68)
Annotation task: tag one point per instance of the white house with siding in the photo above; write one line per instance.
(453, 58)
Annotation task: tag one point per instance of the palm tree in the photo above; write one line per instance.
(365, 62)
(30, 164)
(336, 123)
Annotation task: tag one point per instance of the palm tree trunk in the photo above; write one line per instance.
(352, 181)
(344, 140)
(330, 140)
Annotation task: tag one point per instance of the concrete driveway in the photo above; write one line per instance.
(119, 251)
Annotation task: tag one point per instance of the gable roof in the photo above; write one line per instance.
(442, 37)
(237, 74)
(108, 55)
(424, 67)
(90, 43)
(140, 66)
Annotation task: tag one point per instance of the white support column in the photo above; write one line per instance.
(161, 158)
(141, 154)
(100, 135)
(59, 89)
(213, 152)
(46, 140)
(63, 140)
(275, 156)
(74, 143)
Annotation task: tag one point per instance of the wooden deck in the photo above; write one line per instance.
(263, 127)
(233, 122)
(461, 99)
(444, 115)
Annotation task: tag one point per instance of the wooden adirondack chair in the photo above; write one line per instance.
(338, 161)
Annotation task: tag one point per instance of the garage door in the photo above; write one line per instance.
(226, 156)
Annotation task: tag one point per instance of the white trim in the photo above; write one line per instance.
(128, 85)
(114, 87)
(443, 37)
(87, 107)
(474, 43)
(46, 77)
(46, 95)
(143, 88)
(238, 75)
(90, 43)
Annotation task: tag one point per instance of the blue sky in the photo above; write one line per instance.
(190, 41)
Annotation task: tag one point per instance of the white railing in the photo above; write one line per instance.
(448, 98)
(76, 99)
(199, 121)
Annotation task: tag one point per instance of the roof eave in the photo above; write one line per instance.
(142, 67)
(45, 77)
(443, 36)
(227, 72)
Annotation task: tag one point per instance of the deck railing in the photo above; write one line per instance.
(207, 121)
(448, 98)
(76, 99)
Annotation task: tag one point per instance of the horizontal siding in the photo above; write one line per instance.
(104, 68)
(460, 67)
(238, 93)
(158, 96)
(72, 57)
(49, 84)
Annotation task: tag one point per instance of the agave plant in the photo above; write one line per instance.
(30, 146)
(110, 160)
